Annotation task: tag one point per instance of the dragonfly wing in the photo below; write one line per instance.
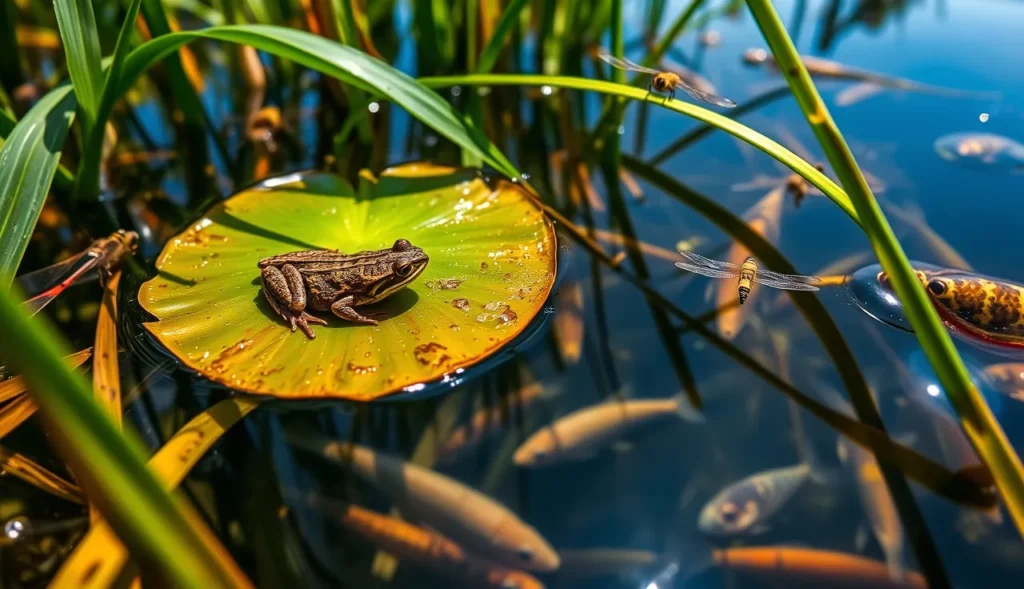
(704, 96)
(699, 260)
(78, 271)
(41, 279)
(626, 64)
(705, 271)
(787, 281)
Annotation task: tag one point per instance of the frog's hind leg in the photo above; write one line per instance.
(284, 291)
(343, 308)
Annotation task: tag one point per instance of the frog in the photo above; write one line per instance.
(328, 280)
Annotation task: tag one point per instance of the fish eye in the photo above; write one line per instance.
(402, 245)
(403, 269)
(937, 287)
(729, 513)
(524, 554)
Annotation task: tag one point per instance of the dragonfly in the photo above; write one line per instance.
(102, 259)
(667, 82)
(747, 273)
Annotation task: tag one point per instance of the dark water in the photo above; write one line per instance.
(647, 497)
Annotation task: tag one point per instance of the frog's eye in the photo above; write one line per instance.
(402, 245)
(403, 269)
(937, 287)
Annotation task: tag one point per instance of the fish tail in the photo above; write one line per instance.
(686, 411)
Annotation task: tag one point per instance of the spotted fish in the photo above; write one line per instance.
(985, 309)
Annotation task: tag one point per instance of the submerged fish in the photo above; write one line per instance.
(748, 506)
(984, 151)
(472, 519)
(582, 434)
(1006, 379)
(425, 548)
(808, 567)
(877, 503)
(764, 218)
(486, 422)
(826, 68)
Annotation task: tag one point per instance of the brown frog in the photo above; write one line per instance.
(322, 280)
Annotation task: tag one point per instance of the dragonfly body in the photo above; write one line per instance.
(667, 82)
(747, 274)
(101, 259)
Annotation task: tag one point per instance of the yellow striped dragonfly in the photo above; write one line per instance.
(746, 274)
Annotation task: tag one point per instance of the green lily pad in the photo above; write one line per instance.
(492, 265)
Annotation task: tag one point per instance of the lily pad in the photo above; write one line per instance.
(492, 265)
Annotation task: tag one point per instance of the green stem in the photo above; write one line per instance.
(738, 130)
(979, 423)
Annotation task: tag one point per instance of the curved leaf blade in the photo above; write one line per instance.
(28, 161)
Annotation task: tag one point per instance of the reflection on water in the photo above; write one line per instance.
(666, 462)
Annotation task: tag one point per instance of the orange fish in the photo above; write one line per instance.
(424, 548)
(808, 567)
(764, 218)
(465, 515)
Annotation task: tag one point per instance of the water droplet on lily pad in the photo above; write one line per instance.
(253, 350)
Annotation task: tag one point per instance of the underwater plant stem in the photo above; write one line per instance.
(109, 465)
(738, 130)
(977, 419)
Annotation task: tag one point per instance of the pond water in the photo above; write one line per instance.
(624, 512)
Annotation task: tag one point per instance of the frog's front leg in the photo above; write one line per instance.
(286, 294)
(343, 308)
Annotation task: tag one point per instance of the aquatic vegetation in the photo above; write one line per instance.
(982, 151)
(492, 265)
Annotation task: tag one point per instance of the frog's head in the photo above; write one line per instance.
(402, 264)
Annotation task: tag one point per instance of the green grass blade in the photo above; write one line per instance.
(64, 180)
(111, 467)
(88, 180)
(979, 423)
(77, 25)
(28, 162)
(491, 51)
(345, 63)
(738, 130)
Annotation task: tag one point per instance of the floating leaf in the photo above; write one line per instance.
(492, 265)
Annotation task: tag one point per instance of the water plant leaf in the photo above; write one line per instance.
(492, 265)
(99, 557)
(27, 470)
(163, 530)
(77, 24)
(28, 161)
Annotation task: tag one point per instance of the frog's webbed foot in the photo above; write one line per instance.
(300, 319)
(289, 299)
(343, 308)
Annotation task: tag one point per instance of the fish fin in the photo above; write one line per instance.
(860, 537)
(687, 411)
